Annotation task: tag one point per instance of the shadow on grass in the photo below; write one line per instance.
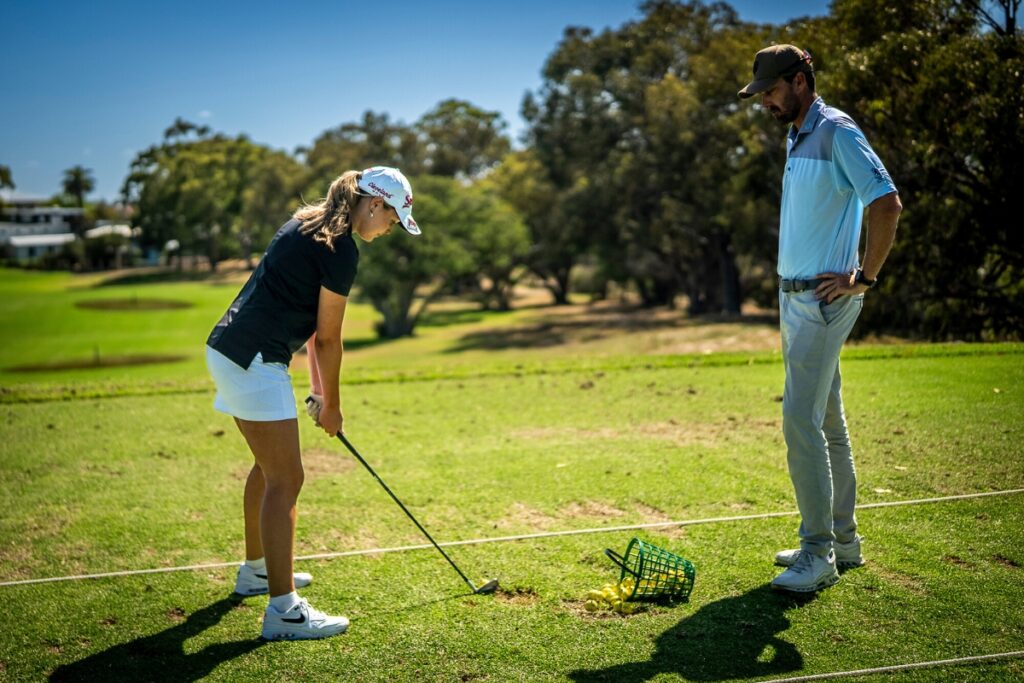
(733, 638)
(593, 324)
(161, 656)
(365, 342)
(459, 317)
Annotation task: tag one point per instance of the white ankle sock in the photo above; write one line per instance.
(283, 603)
(256, 564)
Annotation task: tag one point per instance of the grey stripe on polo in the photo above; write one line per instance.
(816, 144)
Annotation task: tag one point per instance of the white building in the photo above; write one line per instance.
(32, 247)
(29, 229)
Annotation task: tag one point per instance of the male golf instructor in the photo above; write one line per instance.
(831, 175)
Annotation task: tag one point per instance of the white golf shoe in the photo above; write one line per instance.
(254, 582)
(808, 573)
(301, 622)
(847, 555)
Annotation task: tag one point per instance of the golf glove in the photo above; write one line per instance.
(314, 403)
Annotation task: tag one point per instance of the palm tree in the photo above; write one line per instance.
(78, 182)
(6, 182)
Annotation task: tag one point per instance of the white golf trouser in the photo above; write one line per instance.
(819, 455)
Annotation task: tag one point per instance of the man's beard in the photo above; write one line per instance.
(789, 111)
(787, 115)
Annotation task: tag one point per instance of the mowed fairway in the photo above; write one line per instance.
(97, 474)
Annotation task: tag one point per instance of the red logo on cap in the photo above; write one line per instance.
(408, 201)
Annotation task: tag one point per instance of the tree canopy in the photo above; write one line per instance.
(639, 161)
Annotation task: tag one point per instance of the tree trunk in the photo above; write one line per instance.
(245, 238)
(729, 273)
(558, 285)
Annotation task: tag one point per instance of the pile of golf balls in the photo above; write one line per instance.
(613, 596)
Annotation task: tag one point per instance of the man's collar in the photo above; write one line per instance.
(810, 119)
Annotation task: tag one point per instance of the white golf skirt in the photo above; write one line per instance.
(263, 393)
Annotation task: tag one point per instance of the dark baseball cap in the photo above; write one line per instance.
(772, 63)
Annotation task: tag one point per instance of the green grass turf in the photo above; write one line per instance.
(42, 322)
(123, 481)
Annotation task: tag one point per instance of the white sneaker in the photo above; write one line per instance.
(301, 622)
(809, 573)
(847, 555)
(252, 582)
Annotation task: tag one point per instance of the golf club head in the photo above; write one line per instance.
(487, 588)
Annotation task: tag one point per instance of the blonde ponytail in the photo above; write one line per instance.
(330, 218)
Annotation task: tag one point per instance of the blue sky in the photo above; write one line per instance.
(92, 83)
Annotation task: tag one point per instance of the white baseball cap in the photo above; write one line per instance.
(390, 185)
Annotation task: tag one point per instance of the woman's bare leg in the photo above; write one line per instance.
(254, 488)
(275, 445)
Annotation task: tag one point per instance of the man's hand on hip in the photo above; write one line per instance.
(838, 284)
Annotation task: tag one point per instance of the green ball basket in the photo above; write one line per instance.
(658, 574)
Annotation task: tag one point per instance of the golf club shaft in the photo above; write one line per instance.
(354, 452)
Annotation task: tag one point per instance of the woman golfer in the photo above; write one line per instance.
(297, 293)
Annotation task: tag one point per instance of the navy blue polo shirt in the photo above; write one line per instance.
(831, 175)
(275, 313)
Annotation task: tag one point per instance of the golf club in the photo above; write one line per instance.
(488, 587)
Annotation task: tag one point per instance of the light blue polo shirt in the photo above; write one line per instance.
(831, 175)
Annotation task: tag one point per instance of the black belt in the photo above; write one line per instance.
(799, 285)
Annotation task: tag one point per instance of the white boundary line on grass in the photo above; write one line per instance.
(900, 667)
(504, 539)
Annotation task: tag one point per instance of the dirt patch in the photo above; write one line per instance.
(14, 558)
(566, 434)
(99, 361)
(590, 509)
(652, 330)
(520, 515)
(176, 614)
(1005, 561)
(133, 304)
(319, 462)
(910, 583)
(679, 433)
(958, 561)
(652, 515)
(334, 541)
(316, 463)
(517, 596)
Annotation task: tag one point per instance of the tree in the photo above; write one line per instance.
(374, 141)
(267, 201)
(77, 183)
(988, 14)
(523, 182)
(401, 274)
(194, 188)
(641, 135)
(939, 90)
(468, 232)
(6, 181)
(460, 139)
(495, 239)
